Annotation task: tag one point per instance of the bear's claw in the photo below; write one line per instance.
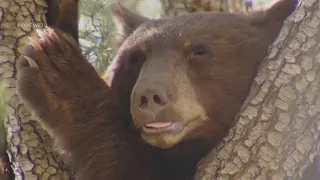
(42, 34)
(51, 33)
(31, 62)
(35, 44)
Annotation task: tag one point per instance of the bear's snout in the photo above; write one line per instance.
(148, 100)
(151, 97)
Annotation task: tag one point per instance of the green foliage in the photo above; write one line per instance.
(2, 101)
(2, 115)
(95, 29)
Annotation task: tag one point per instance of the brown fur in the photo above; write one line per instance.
(204, 62)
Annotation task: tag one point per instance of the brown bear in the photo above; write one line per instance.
(170, 94)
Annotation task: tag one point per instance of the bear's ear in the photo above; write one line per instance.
(126, 21)
(271, 18)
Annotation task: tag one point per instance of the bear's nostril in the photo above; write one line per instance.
(143, 102)
(157, 99)
(170, 96)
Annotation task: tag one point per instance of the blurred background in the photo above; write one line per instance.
(96, 25)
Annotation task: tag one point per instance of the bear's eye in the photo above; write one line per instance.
(136, 58)
(200, 50)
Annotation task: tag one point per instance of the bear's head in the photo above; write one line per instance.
(186, 77)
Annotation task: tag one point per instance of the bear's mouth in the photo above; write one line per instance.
(162, 127)
(158, 125)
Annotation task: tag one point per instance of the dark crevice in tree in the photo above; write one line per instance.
(6, 171)
(56, 16)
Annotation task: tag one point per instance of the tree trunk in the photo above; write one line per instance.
(179, 7)
(29, 147)
(277, 133)
(278, 129)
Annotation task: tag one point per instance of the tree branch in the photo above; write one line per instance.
(277, 133)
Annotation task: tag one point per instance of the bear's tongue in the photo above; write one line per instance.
(158, 124)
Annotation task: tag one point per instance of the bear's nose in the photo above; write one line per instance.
(152, 97)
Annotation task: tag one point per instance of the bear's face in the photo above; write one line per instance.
(194, 69)
(187, 76)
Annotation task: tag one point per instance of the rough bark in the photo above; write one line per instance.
(277, 134)
(29, 147)
(278, 129)
(179, 7)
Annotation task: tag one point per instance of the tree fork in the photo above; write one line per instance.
(277, 132)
